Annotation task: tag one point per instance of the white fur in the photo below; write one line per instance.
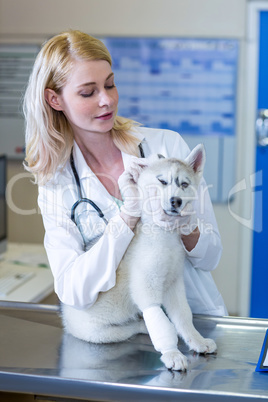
(149, 277)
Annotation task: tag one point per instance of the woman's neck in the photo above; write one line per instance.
(99, 150)
(104, 159)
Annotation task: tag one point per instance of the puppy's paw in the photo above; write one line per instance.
(174, 360)
(206, 345)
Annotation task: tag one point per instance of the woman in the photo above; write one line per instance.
(77, 147)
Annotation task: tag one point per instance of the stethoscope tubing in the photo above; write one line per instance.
(92, 203)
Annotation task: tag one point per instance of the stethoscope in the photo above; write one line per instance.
(82, 199)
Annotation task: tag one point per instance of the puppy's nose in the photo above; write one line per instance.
(175, 202)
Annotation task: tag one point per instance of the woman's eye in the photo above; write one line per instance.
(110, 86)
(87, 95)
(184, 184)
(163, 182)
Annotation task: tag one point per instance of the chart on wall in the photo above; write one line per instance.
(185, 85)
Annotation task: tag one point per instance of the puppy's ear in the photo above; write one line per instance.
(160, 156)
(197, 158)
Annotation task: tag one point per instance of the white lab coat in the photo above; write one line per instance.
(79, 275)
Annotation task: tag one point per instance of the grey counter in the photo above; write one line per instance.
(36, 357)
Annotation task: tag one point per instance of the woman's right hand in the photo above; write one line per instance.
(129, 189)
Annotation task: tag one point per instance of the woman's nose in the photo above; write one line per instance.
(105, 99)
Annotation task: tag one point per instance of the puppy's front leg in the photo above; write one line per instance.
(180, 314)
(164, 337)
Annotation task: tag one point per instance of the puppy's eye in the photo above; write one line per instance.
(184, 184)
(162, 182)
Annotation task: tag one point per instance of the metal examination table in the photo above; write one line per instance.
(36, 357)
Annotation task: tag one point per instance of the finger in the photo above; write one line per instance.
(135, 172)
(139, 162)
(125, 179)
(143, 162)
(136, 166)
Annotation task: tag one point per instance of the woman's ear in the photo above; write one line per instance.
(53, 99)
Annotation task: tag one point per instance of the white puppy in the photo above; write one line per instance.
(149, 294)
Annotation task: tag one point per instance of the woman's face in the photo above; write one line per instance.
(89, 99)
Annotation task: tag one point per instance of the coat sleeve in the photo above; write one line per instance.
(79, 276)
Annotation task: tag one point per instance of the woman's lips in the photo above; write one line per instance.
(105, 116)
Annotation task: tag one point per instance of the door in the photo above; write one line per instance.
(259, 279)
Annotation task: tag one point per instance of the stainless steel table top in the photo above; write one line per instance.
(37, 357)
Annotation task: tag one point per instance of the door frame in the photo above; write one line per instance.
(248, 150)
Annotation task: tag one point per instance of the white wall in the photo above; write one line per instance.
(124, 17)
(36, 20)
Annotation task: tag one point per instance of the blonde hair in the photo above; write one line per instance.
(48, 134)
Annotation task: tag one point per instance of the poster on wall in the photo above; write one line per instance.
(186, 85)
